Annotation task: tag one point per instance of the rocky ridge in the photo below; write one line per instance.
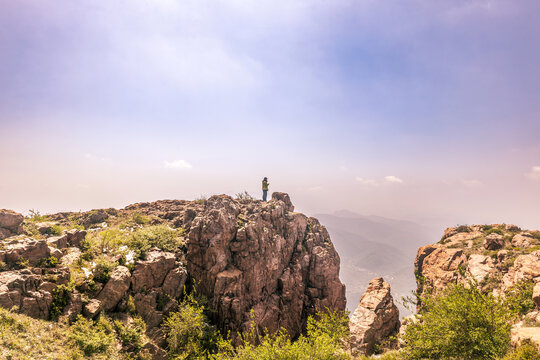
(244, 256)
(496, 258)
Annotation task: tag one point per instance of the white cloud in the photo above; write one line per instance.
(393, 179)
(369, 182)
(177, 164)
(534, 174)
(314, 189)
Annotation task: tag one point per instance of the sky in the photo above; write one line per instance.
(411, 109)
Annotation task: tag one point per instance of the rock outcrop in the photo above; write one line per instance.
(375, 319)
(30, 290)
(258, 256)
(481, 253)
(244, 256)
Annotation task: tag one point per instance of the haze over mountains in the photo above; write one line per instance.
(372, 246)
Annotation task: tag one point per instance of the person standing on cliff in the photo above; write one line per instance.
(265, 184)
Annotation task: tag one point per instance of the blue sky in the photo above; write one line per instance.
(426, 110)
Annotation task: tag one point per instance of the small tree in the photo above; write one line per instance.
(459, 323)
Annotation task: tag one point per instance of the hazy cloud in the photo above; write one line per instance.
(367, 181)
(534, 174)
(177, 164)
(393, 179)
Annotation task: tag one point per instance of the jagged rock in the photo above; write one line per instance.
(74, 306)
(151, 273)
(45, 227)
(146, 305)
(10, 220)
(522, 240)
(59, 242)
(75, 237)
(439, 267)
(285, 198)
(248, 255)
(174, 282)
(10, 223)
(512, 227)
(29, 290)
(93, 308)
(375, 319)
(57, 253)
(115, 289)
(94, 217)
(526, 267)
(480, 266)
(72, 256)
(494, 242)
(25, 249)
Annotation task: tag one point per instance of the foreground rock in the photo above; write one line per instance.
(248, 255)
(375, 319)
(30, 290)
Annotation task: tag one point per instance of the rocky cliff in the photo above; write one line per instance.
(245, 256)
(496, 258)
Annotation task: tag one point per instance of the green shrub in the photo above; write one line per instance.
(495, 231)
(460, 323)
(519, 297)
(323, 341)
(60, 299)
(160, 236)
(92, 337)
(140, 219)
(48, 262)
(189, 334)
(132, 334)
(35, 216)
(102, 271)
(463, 228)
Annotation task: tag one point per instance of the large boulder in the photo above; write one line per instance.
(10, 223)
(480, 266)
(151, 273)
(375, 319)
(494, 242)
(115, 289)
(437, 266)
(526, 267)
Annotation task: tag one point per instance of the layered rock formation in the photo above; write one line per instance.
(243, 255)
(375, 319)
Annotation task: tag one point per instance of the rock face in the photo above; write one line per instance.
(262, 257)
(30, 290)
(10, 223)
(115, 289)
(26, 249)
(375, 319)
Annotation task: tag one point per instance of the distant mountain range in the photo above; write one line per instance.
(372, 246)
